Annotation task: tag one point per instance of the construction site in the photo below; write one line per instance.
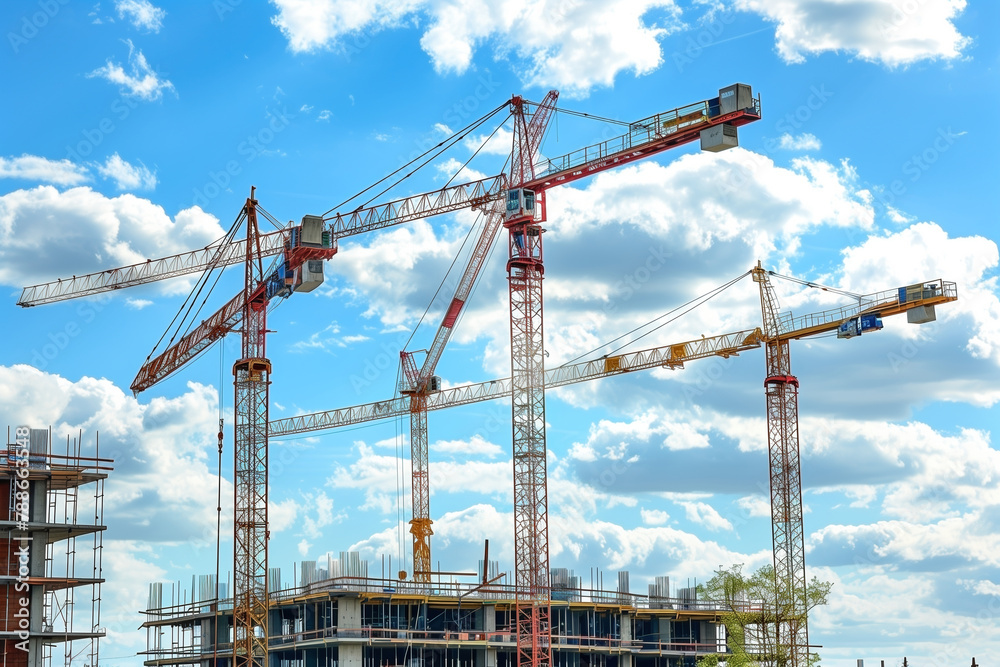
(528, 613)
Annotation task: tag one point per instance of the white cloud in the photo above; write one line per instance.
(684, 436)
(322, 504)
(90, 232)
(324, 115)
(500, 143)
(801, 142)
(475, 446)
(138, 304)
(653, 517)
(127, 176)
(328, 340)
(454, 169)
(140, 81)
(571, 46)
(305, 108)
(755, 506)
(142, 14)
(163, 489)
(724, 210)
(35, 168)
(281, 514)
(705, 515)
(891, 32)
(933, 253)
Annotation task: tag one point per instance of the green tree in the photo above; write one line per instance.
(753, 607)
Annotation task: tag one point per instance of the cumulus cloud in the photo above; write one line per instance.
(139, 81)
(800, 142)
(127, 176)
(572, 46)
(932, 252)
(723, 210)
(141, 13)
(163, 489)
(35, 168)
(886, 31)
(88, 232)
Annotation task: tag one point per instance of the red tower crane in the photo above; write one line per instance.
(735, 106)
(420, 382)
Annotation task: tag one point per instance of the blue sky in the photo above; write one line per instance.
(135, 130)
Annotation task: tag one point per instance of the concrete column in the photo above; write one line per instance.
(489, 626)
(626, 632)
(348, 627)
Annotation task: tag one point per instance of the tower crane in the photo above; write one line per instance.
(419, 382)
(781, 390)
(714, 121)
(525, 269)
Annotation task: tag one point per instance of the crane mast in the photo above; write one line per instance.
(525, 268)
(781, 391)
(252, 379)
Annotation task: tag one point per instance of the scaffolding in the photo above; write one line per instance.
(339, 616)
(52, 542)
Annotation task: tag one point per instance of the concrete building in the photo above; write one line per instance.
(340, 617)
(51, 543)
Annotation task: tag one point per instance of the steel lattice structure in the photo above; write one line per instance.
(525, 270)
(781, 389)
(252, 378)
(417, 385)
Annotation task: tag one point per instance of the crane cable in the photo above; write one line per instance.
(196, 291)
(591, 117)
(697, 301)
(482, 216)
(464, 131)
(825, 288)
(400, 481)
(430, 159)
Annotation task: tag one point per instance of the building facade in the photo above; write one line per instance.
(357, 621)
(51, 543)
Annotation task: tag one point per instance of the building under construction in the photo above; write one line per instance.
(52, 509)
(341, 617)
